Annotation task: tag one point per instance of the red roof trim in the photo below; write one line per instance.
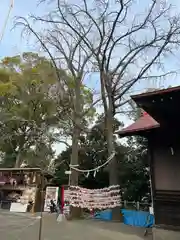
(146, 122)
(156, 92)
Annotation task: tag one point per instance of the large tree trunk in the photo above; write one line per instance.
(109, 118)
(113, 178)
(74, 156)
(75, 212)
(113, 172)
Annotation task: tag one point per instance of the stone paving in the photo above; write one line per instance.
(26, 227)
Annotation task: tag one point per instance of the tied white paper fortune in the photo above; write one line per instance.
(94, 198)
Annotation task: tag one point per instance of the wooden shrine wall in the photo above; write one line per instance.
(166, 182)
(166, 165)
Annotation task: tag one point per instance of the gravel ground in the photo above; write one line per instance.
(26, 227)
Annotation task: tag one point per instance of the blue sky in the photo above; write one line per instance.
(12, 42)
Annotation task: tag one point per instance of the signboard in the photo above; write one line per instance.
(51, 194)
(18, 207)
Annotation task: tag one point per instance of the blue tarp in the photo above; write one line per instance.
(103, 215)
(138, 218)
(131, 217)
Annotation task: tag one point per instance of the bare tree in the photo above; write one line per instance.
(67, 53)
(124, 44)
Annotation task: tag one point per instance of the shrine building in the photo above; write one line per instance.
(160, 125)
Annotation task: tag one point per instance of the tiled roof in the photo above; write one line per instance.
(156, 92)
(145, 122)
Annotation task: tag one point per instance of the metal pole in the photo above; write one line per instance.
(6, 20)
(42, 200)
(69, 179)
